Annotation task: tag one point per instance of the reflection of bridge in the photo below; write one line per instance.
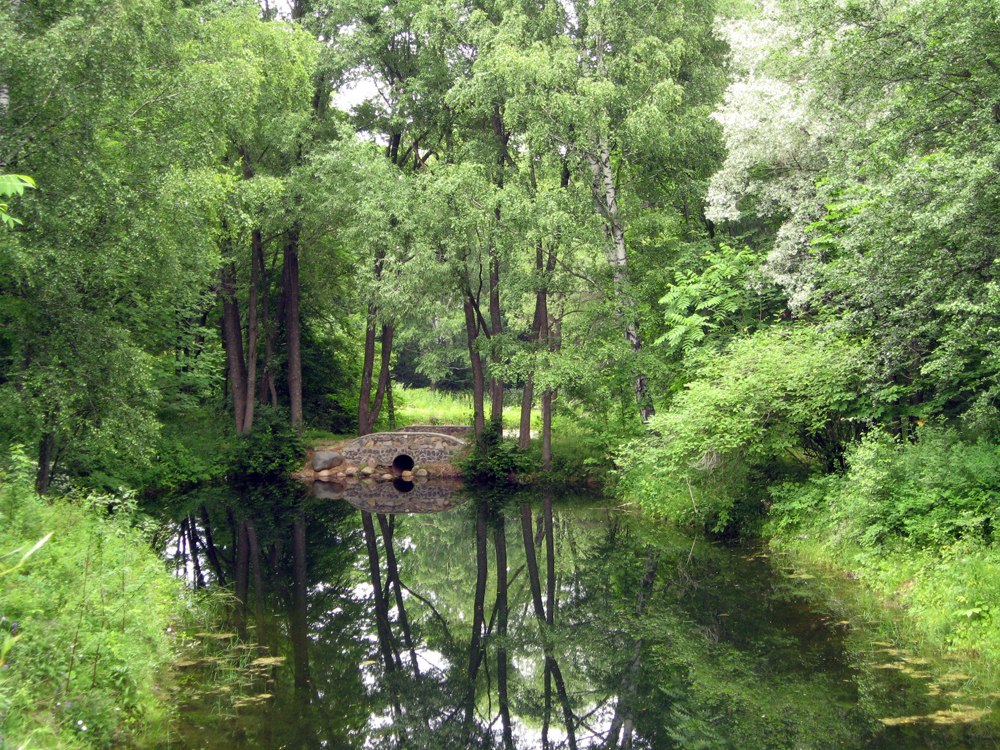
(393, 497)
(402, 449)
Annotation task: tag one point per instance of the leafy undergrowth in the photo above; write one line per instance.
(913, 521)
(86, 621)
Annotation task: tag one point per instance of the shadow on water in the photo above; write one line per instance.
(520, 620)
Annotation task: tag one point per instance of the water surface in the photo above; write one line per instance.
(521, 620)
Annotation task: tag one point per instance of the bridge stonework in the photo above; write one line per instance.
(382, 448)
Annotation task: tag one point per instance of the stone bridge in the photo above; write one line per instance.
(401, 450)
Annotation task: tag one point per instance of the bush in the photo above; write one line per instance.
(929, 493)
(271, 449)
(779, 401)
(84, 621)
(495, 459)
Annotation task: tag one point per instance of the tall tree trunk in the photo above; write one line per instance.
(605, 193)
(472, 333)
(496, 327)
(46, 460)
(368, 411)
(496, 319)
(210, 550)
(536, 599)
(367, 370)
(192, 531)
(293, 327)
(528, 396)
(232, 339)
(383, 375)
(256, 271)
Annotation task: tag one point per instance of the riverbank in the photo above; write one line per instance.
(940, 602)
(911, 522)
(88, 621)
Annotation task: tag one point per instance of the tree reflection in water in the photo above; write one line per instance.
(603, 632)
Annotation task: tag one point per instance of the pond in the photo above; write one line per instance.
(513, 619)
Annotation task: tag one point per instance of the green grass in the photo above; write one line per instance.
(86, 621)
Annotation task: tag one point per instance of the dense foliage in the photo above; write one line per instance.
(85, 629)
(747, 254)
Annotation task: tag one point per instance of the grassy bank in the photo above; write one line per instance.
(913, 521)
(86, 621)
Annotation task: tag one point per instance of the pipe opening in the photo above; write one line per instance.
(402, 463)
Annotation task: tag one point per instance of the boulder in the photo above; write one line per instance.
(323, 460)
(367, 471)
(420, 473)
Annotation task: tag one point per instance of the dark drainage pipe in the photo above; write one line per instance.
(402, 463)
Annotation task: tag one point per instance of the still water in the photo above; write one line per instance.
(443, 618)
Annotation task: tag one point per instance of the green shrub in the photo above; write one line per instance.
(928, 493)
(272, 448)
(495, 459)
(780, 401)
(86, 620)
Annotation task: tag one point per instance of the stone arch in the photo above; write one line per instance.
(403, 462)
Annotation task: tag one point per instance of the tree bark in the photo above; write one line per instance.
(392, 576)
(605, 194)
(46, 460)
(381, 610)
(252, 330)
(536, 599)
(232, 339)
(293, 327)
(472, 333)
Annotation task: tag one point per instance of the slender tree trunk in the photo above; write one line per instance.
(46, 460)
(381, 610)
(472, 333)
(606, 199)
(199, 579)
(528, 396)
(367, 370)
(496, 327)
(368, 412)
(389, 405)
(383, 375)
(293, 327)
(232, 339)
(256, 272)
(536, 599)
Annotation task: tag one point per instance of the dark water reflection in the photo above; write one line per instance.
(515, 620)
